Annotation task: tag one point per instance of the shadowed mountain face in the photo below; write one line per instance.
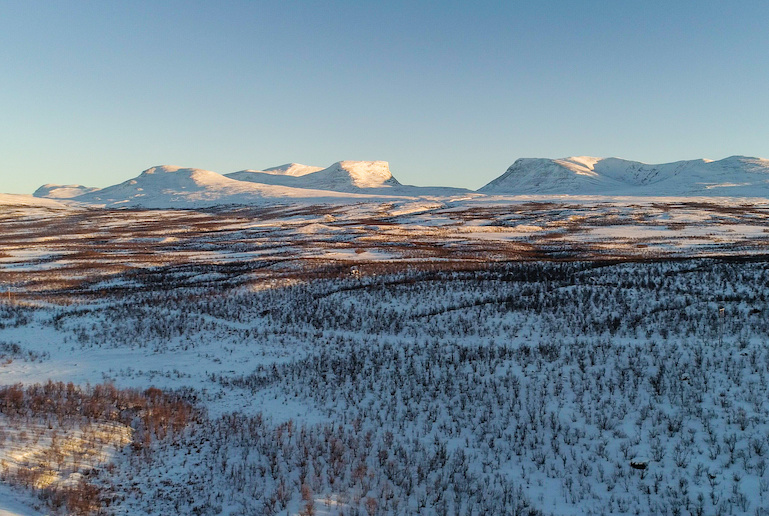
(734, 176)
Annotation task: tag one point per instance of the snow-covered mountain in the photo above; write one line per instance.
(169, 186)
(52, 191)
(292, 169)
(371, 177)
(343, 176)
(177, 187)
(284, 175)
(737, 176)
(352, 175)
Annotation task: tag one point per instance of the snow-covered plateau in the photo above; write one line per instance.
(333, 342)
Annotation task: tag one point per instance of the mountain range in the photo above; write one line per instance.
(736, 176)
(169, 186)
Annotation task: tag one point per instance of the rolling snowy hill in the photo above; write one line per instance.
(736, 176)
(11, 200)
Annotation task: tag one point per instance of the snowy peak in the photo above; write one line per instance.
(284, 175)
(162, 169)
(759, 165)
(168, 186)
(733, 176)
(357, 174)
(168, 175)
(53, 191)
(342, 176)
(288, 170)
(583, 165)
(543, 175)
(292, 169)
(158, 182)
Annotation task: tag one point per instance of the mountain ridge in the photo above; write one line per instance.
(342, 176)
(174, 186)
(56, 191)
(583, 175)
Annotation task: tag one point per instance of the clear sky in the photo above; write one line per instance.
(450, 93)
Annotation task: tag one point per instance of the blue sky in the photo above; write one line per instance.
(450, 93)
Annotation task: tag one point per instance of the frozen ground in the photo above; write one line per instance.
(524, 356)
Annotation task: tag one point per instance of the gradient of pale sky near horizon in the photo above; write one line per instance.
(450, 93)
